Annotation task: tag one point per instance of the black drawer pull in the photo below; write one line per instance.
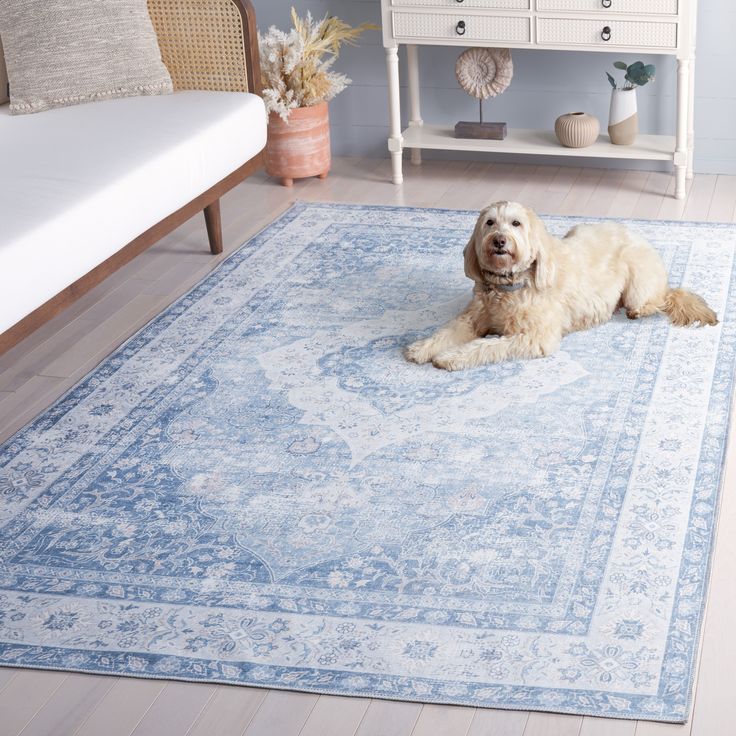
(459, 1)
(606, 33)
(604, 3)
(460, 28)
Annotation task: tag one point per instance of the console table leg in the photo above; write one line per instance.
(681, 150)
(691, 120)
(680, 182)
(412, 57)
(395, 141)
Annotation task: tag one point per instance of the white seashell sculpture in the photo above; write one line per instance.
(484, 73)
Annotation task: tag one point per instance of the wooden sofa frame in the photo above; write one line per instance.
(198, 49)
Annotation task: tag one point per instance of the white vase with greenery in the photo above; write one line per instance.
(623, 119)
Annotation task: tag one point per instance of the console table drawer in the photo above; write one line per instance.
(462, 28)
(489, 4)
(635, 7)
(589, 32)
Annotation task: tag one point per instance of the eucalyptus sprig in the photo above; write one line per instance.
(637, 74)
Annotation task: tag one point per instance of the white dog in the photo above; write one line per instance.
(531, 289)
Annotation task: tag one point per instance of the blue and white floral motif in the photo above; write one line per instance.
(258, 489)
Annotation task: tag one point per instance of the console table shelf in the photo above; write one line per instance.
(629, 27)
(539, 142)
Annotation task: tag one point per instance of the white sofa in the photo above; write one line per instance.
(80, 185)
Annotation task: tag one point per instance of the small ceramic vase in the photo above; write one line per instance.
(577, 129)
(623, 122)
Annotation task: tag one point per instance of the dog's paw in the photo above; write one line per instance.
(450, 360)
(419, 351)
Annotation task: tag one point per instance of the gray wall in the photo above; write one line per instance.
(545, 85)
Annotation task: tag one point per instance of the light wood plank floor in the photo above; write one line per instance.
(34, 373)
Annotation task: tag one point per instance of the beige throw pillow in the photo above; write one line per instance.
(66, 52)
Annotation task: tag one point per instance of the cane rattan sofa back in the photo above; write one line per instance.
(208, 44)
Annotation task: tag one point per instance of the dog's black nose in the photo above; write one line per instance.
(499, 241)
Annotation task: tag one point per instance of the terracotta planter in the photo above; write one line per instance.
(301, 147)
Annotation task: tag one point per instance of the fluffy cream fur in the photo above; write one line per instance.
(532, 288)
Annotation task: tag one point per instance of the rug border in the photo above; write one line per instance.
(541, 214)
(698, 641)
(460, 702)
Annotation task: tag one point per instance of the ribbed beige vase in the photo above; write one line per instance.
(577, 129)
(300, 147)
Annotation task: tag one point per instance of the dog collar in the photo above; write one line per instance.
(507, 287)
(489, 286)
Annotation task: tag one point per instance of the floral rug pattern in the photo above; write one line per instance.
(258, 489)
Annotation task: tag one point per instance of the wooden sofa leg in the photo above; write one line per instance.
(214, 226)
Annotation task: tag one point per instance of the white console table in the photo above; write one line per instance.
(628, 26)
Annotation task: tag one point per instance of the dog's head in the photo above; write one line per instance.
(509, 239)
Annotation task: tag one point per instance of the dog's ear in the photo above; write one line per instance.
(541, 241)
(472, 267)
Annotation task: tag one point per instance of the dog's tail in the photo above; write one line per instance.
(685, 308)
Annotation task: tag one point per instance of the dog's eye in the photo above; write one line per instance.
(516, 223)
(490, 223)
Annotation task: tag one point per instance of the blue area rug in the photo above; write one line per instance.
(257, 488)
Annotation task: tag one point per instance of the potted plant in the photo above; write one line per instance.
(623, 122)
(298, 82)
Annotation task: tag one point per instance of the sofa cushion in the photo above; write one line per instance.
(79, 183)
(66, 52)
